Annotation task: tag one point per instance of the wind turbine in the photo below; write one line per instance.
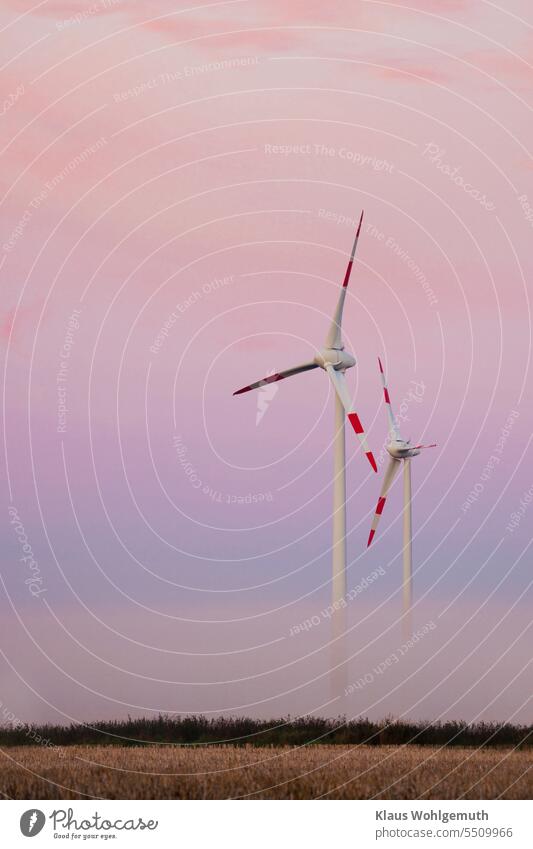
(334, 359)
(401, 451)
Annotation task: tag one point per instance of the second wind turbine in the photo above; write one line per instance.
(334, 360)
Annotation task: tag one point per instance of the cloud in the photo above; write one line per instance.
(413, 73)
(500, 63)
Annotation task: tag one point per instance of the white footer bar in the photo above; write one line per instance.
(268, 824)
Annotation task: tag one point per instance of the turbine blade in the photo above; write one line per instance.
(390, 473)
(407, 547)
(354, 248)
(394, 431)
(433, 445)
(341, 388)
(280, 375)
(334, 337)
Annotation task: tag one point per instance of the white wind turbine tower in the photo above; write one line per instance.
(400, 450)
(335, 360)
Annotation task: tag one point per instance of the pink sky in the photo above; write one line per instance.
(202, 167)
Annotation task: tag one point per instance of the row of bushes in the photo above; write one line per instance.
(200, 730)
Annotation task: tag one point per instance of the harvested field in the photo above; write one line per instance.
(277, 772)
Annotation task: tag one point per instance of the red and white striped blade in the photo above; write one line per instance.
(393, 427)
(390, 473)
(341, 388)
(280, 375)
(334, 337)
(352, 255)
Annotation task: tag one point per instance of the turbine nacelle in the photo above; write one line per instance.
(400, 449)
(335, 358)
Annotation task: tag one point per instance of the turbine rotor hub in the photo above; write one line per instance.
(336, 357)
(400, 449)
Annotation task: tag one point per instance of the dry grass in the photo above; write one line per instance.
(220, 772)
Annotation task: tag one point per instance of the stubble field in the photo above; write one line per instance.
(278, 772)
